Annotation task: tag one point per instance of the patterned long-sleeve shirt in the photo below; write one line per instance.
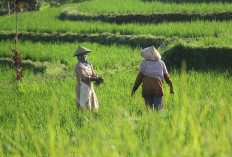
(151, 74)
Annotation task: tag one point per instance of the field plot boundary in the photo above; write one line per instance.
(196, 57)
(73, 14)
(49, 69)
(103, 38)
(199, 58)
(36, 67)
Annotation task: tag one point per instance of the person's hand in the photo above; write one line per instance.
(172, 90)
(99, 80)
(132, 93)
(86, 81)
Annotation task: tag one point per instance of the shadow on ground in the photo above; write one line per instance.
(69, 14)
(50, 70)
(103, 38)
(26, 65)
(199, 58)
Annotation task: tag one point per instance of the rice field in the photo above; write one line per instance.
(43, 22)
(143, 6)
(38, 115)
(40, 118)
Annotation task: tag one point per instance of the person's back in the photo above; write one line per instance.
(151, 73)
(155, 69)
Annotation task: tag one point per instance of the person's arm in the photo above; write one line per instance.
(137, 83)
(167, 78)
(94, 76)
(169, 82)
(93, 72)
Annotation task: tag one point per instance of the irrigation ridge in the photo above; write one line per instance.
(176, 51)
(219, 57)
(103, 38)
(195, 56)
(73, 14)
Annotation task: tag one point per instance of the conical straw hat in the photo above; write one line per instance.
(81, 50)
(150, 53)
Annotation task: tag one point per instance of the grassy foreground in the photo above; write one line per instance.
(38, 117)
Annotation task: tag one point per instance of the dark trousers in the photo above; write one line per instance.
(154, 101)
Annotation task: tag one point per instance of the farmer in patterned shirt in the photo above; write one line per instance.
(152, 72)
(85, 75)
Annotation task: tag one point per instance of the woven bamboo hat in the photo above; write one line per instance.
(150, 53)
(81, 50)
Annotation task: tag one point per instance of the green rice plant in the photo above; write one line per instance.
(109, 39)
(180, 29)
(62, 52)
(38, 117)
(42, 52)
(194, 120)
(199, 57)
(74, 15)
(139, 6)
(48, 21)
(104, 38)
(222, 41)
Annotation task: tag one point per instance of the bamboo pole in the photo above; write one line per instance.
(16, 37)
(8, 7)
(37, 4)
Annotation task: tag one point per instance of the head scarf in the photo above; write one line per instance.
(86, 63)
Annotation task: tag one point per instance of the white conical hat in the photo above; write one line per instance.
(150, 53)
(81, 50)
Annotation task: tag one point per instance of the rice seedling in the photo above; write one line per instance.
(192, 119)
(172, 29)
